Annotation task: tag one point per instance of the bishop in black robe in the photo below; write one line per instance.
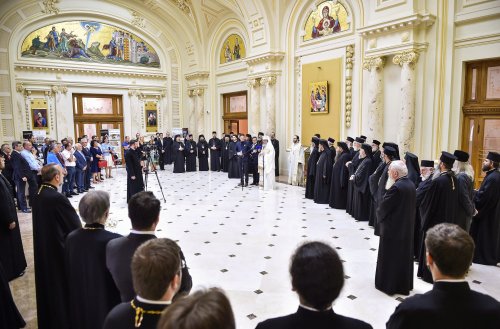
(394, 274)
(178, 156)
(340, 178)
(362, 199)
(311, 168)
(465, 190)
(10, 318)
(11, 246)
(352, 166)
(323, 174)
(422, 189)
(438, 206)
(373, 185)
(190, 153)
(168, 147)
(202, 154)
(485, 228)
(215, 149)
(389, 154)
(411, 161)
(92, 291)
(135, 182)
(233, 166)
(224, 159)
(53, 219)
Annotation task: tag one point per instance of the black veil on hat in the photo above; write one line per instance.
(389, 150)
(396, 149)
(368, 149)
(359, 140)
(462, 156)
(343, 146)
(413, 167)
(323, 142)
(376, 142)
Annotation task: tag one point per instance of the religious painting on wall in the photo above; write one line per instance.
(151, 116)
(97, 105)
(39, 116)
(493, 83)
(238, 104)
(328, 18)
(233, 49)
(319, 96)
(89, 42)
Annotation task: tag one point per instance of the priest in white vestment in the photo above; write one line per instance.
(266, 164)
(296, 163)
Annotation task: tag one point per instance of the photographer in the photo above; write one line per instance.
(133, 165)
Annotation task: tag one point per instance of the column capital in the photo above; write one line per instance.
(406, 57)
(371, 63)
(268, 80)
(196, 92)
(253, 83)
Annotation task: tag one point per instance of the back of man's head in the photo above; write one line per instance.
(154, 266)
(451, 249)
(201, 310)
(317, 274)
(49, 172)
(143, 210)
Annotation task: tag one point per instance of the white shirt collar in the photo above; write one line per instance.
(451, 280)
(142, 232)
(153, 302)
(313, 309)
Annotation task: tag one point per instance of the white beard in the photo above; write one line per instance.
(389, 183)
(426, 177)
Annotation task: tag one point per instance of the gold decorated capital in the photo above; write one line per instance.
(20, 87)
(253, 83)
(268, 81)
(406, 57)
(376, 63)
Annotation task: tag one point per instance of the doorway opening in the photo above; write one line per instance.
(481, 113)
(235, 112)
(96, 112)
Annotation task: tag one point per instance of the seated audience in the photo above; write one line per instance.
(92, 292)
(451, 303)
(156, 273)
(144, 213)
(317, 277)
(202, 310)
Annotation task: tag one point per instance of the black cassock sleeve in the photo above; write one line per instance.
(388, 203)
(5, 198)
(465, 186)
(427, 207)
(375, 177)
(67, 217)
(483, 196)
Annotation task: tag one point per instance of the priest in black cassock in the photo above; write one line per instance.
(323, 174)
(396, 214)
(190, 152)
(92, 291)
(411, 161)
(156, 275)
(224, 158)
(426, 172)
(362, 196)
(333, 150)
(379, 179)
(167, 145)
(233, 166)
(215, 149)
(340, 177)
(53, 219)
(352, 166)
(485, 228)
(178, 155)
(133, 165)
(276, 145)
(11, 246)
(377, 159)
(376, 154)
(349, 140)
(439, 205)
(465, 177)
(10, 318)
(311, 168)
(202, 153)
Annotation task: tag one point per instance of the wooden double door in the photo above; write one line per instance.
(481, 113)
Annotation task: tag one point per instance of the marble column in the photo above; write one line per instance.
(135, 111)
(200, 112)
(191, 122)
(375, 66)
(407, 60)
(64, 113)
(270, 113)
(254, 115)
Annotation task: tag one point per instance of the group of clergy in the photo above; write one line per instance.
(402, 199)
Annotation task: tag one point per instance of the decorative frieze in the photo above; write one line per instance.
(50, 7)
(138, 20)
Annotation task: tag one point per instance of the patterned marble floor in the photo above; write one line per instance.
(241, 241)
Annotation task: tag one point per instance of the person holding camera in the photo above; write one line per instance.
(135, 182)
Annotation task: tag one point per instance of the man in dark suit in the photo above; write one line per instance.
(81, 166)
(276, 145)
(88, 157)
(168, 147)
(157, 278)
(451, 303)
(144, 212)
(160, 147)
(317, 277)
(396, 214)
(22, 175)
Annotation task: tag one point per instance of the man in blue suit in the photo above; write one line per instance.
(88, 157)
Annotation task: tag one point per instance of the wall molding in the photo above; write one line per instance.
(96, 71)
(397, 25)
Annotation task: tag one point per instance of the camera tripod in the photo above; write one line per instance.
(149, 161)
